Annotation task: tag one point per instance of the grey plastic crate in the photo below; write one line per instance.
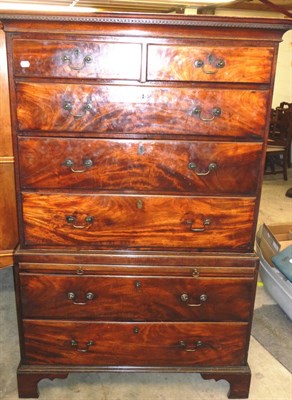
(278, 286)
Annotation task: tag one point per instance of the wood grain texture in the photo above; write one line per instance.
(239, 381)
(146, 258)
(222, 269)
(156, 231)
(107, 60)
(8, 219)
(6, 258)
(241, 64)
(138, 221)
(27, 382)
(124, 298)
(139, 166)
(164, 62)
(28, 376)
(5, 126)
(49, 342)
(140, 110)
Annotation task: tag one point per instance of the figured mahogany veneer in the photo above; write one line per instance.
(131, 109)
(139, 165)
(139, 144)
(78, 59)
(117, 343)
(241, 64)
(106, 60)
(136, 298)
(136, 221)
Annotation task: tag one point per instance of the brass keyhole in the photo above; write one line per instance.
(138, 284)
(139, 204)
(141, 149)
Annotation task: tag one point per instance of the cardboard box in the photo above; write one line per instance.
(269, 241)
(282, 234)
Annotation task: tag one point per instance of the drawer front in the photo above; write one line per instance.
(136, 298)
(144, 110)
(75, 59)
(138, 221)
(136, 344)
(133, 165)
(211, 64)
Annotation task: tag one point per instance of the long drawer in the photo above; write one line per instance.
(133, 165)
(141, 110)
(136, 344)
(122, 221)
(136, 298)
(76, 59)
(209, 63)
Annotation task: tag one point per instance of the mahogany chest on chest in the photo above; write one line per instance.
(140, 145)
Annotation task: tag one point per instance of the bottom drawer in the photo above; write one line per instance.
(135, 344)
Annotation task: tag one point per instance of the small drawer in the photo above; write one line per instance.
(76, 59)
(210, 64)
(140, 165)
(109, 221)
(136, 298)
(141, 110)
(135, 344)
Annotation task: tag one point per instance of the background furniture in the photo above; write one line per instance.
(278, 157)
(138, 191)
(8, 222)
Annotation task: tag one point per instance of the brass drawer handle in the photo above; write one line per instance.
(216, 112)
(215, 63)
(186, 298)
(87, 163)
(86, 107)
(206, 222)
(196, 345)
(74, 343)
(72, 296)
(211, 167)
(71, 220)
(67, 59)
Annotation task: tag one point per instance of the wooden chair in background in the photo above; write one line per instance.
(278, 156)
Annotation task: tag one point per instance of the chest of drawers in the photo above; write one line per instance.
(139, 144)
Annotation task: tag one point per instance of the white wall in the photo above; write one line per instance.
(283, 80)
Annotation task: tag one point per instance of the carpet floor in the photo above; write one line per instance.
(273, 329)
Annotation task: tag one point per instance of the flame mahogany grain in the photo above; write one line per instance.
(119, 221)
(140, 110)
(136, 298)
(154, 166)
(117, 122)
(117, 343)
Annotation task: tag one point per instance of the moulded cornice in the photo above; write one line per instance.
(158, 19)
